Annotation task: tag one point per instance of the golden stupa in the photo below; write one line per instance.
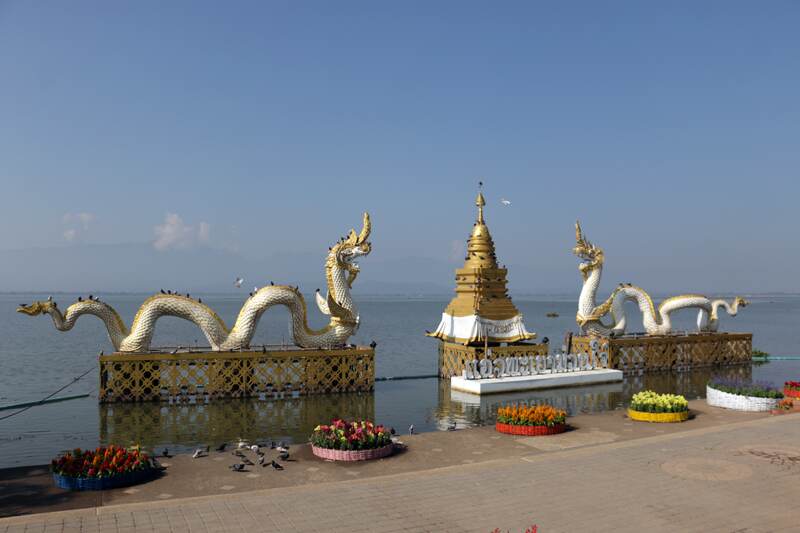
(481, 311)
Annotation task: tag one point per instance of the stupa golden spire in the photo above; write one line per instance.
(481, 312)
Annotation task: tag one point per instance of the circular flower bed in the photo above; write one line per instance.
(649, 406)
(351, 441)
(101, 468)
(531, 421)
(791, 389)
(742, 396)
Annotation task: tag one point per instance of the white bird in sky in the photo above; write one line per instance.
(505, 202)
(238, 282)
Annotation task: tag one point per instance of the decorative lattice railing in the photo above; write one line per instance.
(193, 376)
(649, 353)
(453, 357)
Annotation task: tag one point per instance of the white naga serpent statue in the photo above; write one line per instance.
(340, 269)
(656, 320)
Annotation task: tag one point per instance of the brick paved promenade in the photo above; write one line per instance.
(739, 477)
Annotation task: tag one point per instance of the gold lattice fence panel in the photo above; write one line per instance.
(210, 375)
(633, 354)
(453, 357)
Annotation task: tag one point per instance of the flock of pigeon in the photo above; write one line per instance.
(242, 460)
(281, 448)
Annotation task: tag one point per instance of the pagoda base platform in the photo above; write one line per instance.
(677, 352)
(535, 382)
(199, 375)
(453, 357)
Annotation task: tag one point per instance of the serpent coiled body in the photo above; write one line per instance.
(656, 320)
(341, 271)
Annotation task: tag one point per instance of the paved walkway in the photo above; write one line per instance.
(739, 477)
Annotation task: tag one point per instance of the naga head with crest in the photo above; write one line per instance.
(348, 249)
(591, 255)
(37, 308)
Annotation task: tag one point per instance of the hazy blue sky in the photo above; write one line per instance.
(141, 138)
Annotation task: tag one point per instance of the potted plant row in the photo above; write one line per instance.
(103, 468)
(649, 406)
(791, 389)
(742, 395)
(531, 421)
(351, 441)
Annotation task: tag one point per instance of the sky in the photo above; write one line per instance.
(147, 143)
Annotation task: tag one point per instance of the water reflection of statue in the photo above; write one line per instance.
(155, 424)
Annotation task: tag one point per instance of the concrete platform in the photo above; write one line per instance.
(534, 382)
(685, 477)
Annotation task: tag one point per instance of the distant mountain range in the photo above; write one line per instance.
(138, 267)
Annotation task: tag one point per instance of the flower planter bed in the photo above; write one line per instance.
(530, 431)
(649, 406)
(351, 441)
(791, 389)
(738, 402)
(352, 455)
(658, 417)
(531, 421)
(102, 468)
(88, 483)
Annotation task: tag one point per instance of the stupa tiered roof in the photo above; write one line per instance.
(481, 312)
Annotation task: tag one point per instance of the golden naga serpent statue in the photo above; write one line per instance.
(656, 320)
(341, 270)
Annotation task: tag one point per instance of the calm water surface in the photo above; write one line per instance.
(35, 359)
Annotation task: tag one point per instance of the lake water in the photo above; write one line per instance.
(36, 359)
